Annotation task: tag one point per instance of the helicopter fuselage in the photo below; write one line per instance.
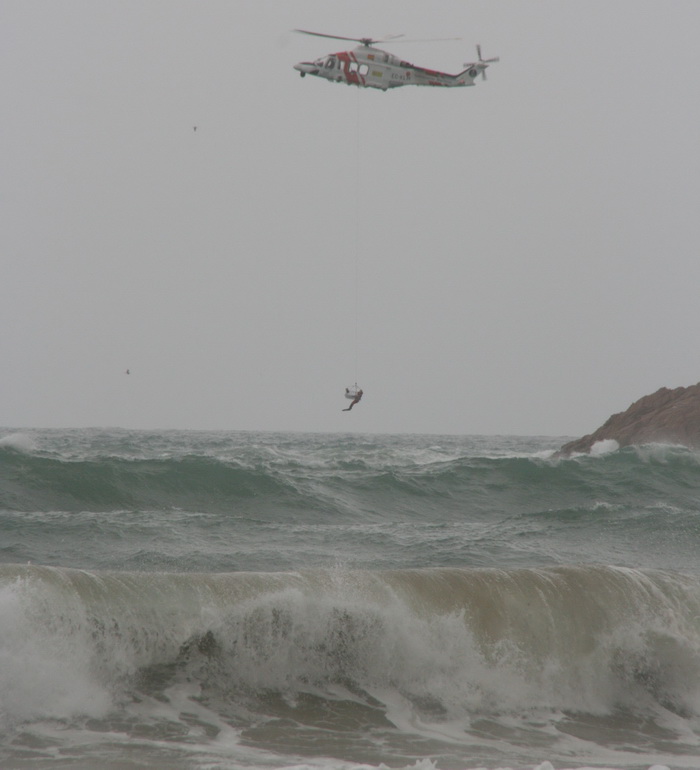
(369, 67)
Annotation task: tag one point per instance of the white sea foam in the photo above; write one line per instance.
(42, 673)
(20, 442)
(664, 453)
(605, 447)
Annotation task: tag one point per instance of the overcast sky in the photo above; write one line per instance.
(527, 249)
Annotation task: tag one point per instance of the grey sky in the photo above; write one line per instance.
(528, 248)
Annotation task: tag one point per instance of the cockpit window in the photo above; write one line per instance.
(330, 63)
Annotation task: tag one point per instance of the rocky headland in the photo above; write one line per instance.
(667, 417)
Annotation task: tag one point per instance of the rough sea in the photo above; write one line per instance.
(214, 600)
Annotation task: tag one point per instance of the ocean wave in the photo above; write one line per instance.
(451, 643)
(36, 483)
(334, 481)
(226, 503)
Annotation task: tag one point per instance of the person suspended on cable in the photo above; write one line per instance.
(356, 396)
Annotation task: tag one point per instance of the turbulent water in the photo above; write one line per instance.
(256, 600)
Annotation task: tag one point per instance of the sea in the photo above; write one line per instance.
(186, 600)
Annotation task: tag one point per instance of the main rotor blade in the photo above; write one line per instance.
(419, 40)
(335, 37)
(388, 39)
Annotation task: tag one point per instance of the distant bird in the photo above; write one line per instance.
(195, 128)
(127, 372)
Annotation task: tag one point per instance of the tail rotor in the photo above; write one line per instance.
(482, 64)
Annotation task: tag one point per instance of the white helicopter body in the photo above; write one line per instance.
(370, 67)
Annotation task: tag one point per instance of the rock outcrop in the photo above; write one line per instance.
(667, 416)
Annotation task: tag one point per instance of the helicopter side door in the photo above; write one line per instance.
(333, 68)
(354, 72)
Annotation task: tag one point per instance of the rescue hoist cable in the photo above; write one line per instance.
(357, 228)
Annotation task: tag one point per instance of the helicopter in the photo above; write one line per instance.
(369, 67)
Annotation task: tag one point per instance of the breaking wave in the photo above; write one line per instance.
(453, 644)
